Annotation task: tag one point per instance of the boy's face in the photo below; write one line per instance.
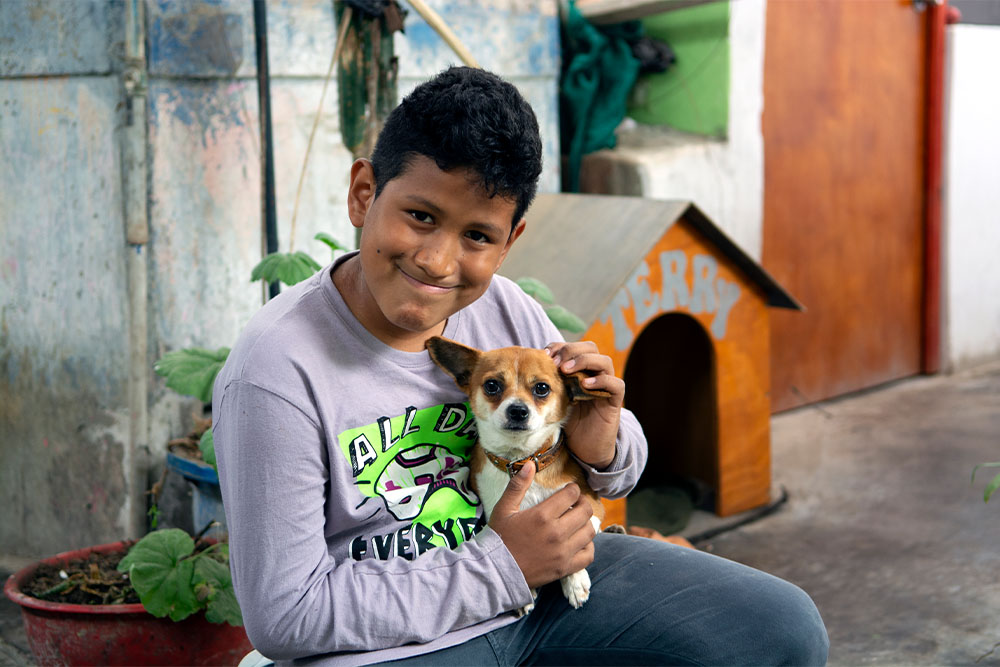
(430, 244)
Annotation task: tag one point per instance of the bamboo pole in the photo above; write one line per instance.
(442, 29)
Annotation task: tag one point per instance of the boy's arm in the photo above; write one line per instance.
(297, 599)
(604, 437)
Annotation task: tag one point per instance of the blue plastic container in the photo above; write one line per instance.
(206, 498)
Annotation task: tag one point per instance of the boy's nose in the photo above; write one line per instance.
(437, 259)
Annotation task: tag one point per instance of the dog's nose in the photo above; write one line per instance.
(517, 413)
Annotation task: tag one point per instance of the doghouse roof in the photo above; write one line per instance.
(584, 247)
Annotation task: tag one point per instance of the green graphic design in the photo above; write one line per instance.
(416, 464)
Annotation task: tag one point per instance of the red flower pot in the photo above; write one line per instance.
(118, 634)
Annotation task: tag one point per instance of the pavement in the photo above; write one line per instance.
(881, 525)
(14, 649)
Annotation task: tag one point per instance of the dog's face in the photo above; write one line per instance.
(519, 397)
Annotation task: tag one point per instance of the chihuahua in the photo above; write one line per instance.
(521, 401)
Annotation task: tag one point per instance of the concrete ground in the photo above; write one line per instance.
(881, 526)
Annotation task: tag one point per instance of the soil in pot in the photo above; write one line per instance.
(91, 580)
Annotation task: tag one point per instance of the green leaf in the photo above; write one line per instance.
(993, 485)
(330, 241)
(214, 584)
(161, 573)
(991, 488)
(565, 320)
(192, 371)
(154, 516)
(289, 268)
(207, 447)
(534, 287)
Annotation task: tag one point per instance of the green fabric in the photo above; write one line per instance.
(599, 71)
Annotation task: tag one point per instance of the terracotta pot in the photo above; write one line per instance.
(118, 634)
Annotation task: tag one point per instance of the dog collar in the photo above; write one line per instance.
(541, 458)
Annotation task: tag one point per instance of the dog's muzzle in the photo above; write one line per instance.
(517, 416)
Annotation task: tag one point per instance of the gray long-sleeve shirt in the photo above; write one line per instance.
(354, 536)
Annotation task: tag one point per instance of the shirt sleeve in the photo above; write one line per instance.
(297, 599)
(631, 452)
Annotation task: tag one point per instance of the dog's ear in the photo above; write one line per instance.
(455, 359)
(576, 390)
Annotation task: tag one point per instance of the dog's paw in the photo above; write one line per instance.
(526, 609)
(615, 528)
(576, 588)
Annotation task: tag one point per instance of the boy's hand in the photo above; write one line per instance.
(550, 540)
(592, 429)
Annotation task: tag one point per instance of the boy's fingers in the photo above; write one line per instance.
(564, 353)
(559, 503)
(517, 488)
(592, 362)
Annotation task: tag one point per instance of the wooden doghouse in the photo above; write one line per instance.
(682, 311)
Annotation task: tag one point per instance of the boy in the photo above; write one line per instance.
(342, 448)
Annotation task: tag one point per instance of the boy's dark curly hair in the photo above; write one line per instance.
(465, 118)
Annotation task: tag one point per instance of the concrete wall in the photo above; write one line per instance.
(66, 477)
(723, 177)
(971, 196)
(64, 422)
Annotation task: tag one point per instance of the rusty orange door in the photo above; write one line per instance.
(843, 124)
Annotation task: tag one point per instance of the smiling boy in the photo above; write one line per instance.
(342, 448)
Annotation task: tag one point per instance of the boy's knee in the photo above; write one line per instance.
(794, 628)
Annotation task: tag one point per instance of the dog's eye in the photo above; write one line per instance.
(492, 387)
(541, 390)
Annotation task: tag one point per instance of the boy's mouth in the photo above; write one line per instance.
(426, 287)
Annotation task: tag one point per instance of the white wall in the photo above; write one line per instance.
(972, 196)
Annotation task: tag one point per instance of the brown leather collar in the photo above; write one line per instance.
(541, 458)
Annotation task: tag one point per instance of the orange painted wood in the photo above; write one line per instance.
(740, 458)
(843, 125)
(614, 512)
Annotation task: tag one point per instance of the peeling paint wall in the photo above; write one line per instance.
(64, 307)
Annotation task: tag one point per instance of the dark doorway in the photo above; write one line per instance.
(670, 380)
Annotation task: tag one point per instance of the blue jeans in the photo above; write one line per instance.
(653, 603)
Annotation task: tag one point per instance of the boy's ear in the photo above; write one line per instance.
(455, 359)
(361, 192)
(514, 234)
(577, 392)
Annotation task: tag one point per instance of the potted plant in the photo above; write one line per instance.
(163, 600)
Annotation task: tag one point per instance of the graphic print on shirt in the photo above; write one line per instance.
(417, 466)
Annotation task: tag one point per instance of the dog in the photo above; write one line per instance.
(520, 401)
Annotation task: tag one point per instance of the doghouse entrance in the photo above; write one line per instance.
(670, 379)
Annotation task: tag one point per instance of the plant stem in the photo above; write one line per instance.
(201, 533)
(60, 587)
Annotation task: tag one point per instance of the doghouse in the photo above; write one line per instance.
(683, 312)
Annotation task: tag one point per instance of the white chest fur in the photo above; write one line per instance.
(492, 482)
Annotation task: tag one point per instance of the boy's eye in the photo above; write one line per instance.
(421, 216)
(541, 390)
(492, 387)
(478, 236)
